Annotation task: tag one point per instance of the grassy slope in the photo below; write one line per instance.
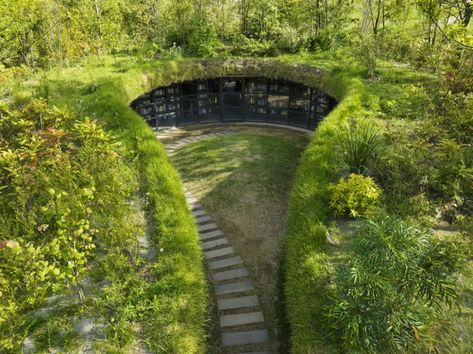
(398, 96)
(179, 296)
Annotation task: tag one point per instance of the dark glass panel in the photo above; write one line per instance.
(256, 86)
(214, 85)
(233, 114)
(278, 87)
(232, 100)
(278, 101)
(160, 92)
(202, 87)
(298, 119)
(232, 85)
(173, 90)
(189, 88)
(152, 123)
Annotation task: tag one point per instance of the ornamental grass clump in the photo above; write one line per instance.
(358, 144)
(354, 196)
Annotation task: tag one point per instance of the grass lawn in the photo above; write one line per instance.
(244, 181)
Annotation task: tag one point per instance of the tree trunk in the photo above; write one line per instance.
(468, 12)
(98, 13)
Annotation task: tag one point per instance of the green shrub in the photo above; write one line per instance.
(203, 40)
(368, 53)
(354, 196)
(64, 193)
(253, 47)
(358, 144)
(395, 285)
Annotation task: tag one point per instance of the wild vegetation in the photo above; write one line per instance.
(82, 177)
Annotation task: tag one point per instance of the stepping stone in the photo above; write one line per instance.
(192, 200)
(210, 234)
(237, 302)
(241, 319)
(198, 213)
(29, 345)
(196, 206)
(208, 227)
(230, 274)
(219, 252)
(215, 243)
(246, 337)
(233, 287)
(224, 263)
(202, 219)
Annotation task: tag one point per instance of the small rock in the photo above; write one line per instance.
(85, 326)
(28, 345)
(330, 240)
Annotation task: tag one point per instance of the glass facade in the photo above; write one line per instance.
(234, 99)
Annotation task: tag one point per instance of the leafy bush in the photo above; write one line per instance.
(289, 39)
(354, 196)
(203, 39)
(253, 47)
(64, 193)
(396, 283)
(358, 144)
(368, 53)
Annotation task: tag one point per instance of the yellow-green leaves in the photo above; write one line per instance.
(354, 196)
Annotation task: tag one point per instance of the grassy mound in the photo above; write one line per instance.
(399, 99)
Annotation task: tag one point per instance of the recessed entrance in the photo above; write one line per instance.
(234, 99)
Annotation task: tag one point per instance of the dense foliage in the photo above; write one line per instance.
(65, 195)
(394, 285)
(54, 32)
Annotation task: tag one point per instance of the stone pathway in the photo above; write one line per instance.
(242, 324)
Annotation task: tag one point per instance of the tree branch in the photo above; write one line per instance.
(451, 40)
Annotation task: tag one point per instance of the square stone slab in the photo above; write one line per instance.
(224, 263)
(241, 319)
(199, 212)
(233, 287)
(215, 243)
(230, 274)
(205, 218)
(208, 227)
(219, 252)
(246, 337)
(237, 302)
(210, 234)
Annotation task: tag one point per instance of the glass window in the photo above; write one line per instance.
(214, 85)
(232, 100)
(232, 85)
(189, 89)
